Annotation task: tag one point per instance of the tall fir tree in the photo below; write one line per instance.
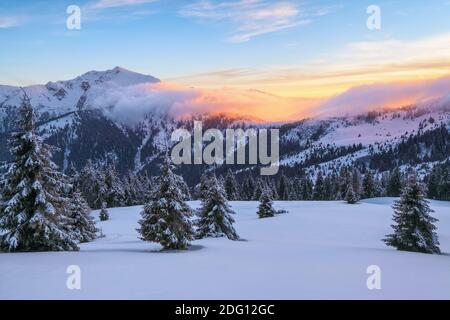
(265, 208)
(215, 218)
(34, 213)
(231, 186)
(92, 185)
(394, 186)
(414, 228)
(319, 187)
(115, 193)
(368, 185)
(83, 223)
(283, 188)
(166, 217)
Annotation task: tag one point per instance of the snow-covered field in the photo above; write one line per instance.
(319, 250)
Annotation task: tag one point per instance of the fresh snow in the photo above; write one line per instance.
(319, 250)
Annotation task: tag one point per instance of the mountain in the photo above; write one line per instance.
(86, 119)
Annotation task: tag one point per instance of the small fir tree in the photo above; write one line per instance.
(265, 208)
(231, 187)
(215, 214)
(350, 196)
(414, 228)
(166, 217)
(104, 215)
(82, 222)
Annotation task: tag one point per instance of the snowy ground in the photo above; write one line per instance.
(319, 250)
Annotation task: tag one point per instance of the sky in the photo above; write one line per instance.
(294, 49)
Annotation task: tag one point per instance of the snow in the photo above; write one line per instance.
(319, 250)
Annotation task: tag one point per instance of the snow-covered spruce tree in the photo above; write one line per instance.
(231, 187)
(350, 196)
(369, 188)
(92, 185)
(215, 218)
(166, 217)
(103, 215)
(414, 228)
(82, 222)
(319, 187)
(265, 208)
(34, 214)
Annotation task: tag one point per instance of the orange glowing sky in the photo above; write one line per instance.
(273, 60)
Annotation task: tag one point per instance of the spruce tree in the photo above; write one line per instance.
(265, 208)
(350, 196)
(215, 214)
(104, 215)
(369, 188)
(231, 187)
(259, 188)
(34, 213)
(414, 228)
(319, 187)
(283, 188)
(82, 222)
(394, 186)
(205, 179)
(166, 217)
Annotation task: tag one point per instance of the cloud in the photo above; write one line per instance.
(251, 18)
(385, 96)
(104, 4)
(131, 104)
(10, 22)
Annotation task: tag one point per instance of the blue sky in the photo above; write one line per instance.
(270, 45)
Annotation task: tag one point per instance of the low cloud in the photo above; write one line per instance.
(131, 104)
(384, 96)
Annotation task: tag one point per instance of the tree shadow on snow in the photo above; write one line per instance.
(194, 247)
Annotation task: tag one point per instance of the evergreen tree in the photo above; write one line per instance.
(79, 212)
(357, 183)
(414, 228)
(215, 214)
(369, 187)
(394, 186)
(115, 194)
(307, 189)
(344, 180)
(166, 217)
(104, 215)
(283, 188)
(259, 188)
(92, 185)
(249, 187)
(265, 208)
(350, 196)
(205, 179)
(319, 187)
(34, 212)
(231, 187)
(82, 222)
